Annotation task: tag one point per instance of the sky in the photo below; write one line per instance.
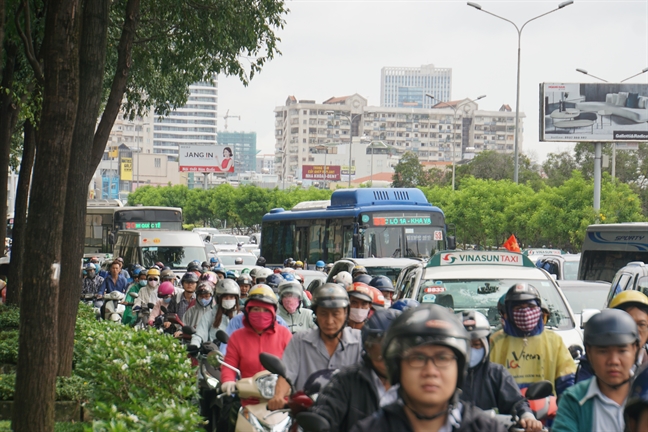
(337, 48)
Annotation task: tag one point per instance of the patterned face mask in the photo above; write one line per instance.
(526, 319)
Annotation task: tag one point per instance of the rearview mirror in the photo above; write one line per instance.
(222, 337)
(452, 242)
(133, 295)
(188, 330)
(586, 314)
(539, 390)
(273, 364)
(312, 422)
(215, 359)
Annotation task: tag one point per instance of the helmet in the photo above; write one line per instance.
(476, 323)
(193, 267)
(213, 260)
(299, 278)
(153, 272)
(238, 261)
(273, 281)
(320, 264)
(299, 264)
(630, 298)
(377, 297)
(358, 270)
(290, 287)
(288, 262)
(638, 397)
(404, 304)
(189, 277)
(89, 267)
(227, 286)
(160, 264)
(244, 279)
(263, 273)
(429, 324)
(610, 327)
(261, 262)
(165, 289)
(330, 296)
(522, 292)
(205, 287)
(361, 291)
(343, 278)
(328, 267)
(364, 278)
(167, 274)
(220, 270)
(264, 293)
(204, 264)
(137, 269)
(253, 273)
(383, 283)
(231, 274)
(377, 325)
(209, 276)
(288, 276)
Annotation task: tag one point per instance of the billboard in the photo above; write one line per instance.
(345, 170)
(316, 172)
(593, 112)
(126, 172)
(206, 158)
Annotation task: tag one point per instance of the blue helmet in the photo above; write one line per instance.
(377, 325)
(383, 283)
(320, 264)
(273, 282)
(137, 269)
(231, 274)
(364, 278)
(404, 304)
(288, 276)
(213, 260)
(638, 397)
(89, 267)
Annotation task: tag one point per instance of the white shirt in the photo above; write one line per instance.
(607, 415)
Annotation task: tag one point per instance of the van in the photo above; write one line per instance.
(175, 249)
(633, 276)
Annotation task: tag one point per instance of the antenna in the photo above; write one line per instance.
(226, 116)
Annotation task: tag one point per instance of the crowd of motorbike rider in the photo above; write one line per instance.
(400, 366)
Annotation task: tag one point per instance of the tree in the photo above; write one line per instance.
(558, 167)
(493, 165)
(409, 172)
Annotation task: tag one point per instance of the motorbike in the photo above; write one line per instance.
(143, 314)
(113, 309)
(92, 300)
(540, 397)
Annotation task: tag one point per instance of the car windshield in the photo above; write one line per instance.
(176, 257)
(483, 294)
(243, 239)
(571, 270)
(223, 239)
(229, 260)
(391, 272)
(586, 297)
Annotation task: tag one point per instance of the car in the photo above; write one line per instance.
(564, 267)
(206, 230)
(224, 242)
(586, 298)
(475, 280)
(312, 278)
(390, 267)
(633, 276)
(228, 260)
(243, 239)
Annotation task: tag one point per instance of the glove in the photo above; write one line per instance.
(228, 387)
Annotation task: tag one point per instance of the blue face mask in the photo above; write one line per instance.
(476, 356)
(142, 283)
(167, 300)
(205, 302)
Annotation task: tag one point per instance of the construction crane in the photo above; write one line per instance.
(226, 116)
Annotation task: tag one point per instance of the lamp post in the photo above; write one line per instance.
(598, 149)
(455, 109)
(351, 120)
(517, 93)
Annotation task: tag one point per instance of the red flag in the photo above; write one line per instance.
(512, 244)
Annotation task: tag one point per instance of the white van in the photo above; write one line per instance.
(175, 249)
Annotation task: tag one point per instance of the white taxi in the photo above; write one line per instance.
(476, 280)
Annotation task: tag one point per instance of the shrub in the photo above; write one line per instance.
(9, 317)
(73, 388)
(9, 347)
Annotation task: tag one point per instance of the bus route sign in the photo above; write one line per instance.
(401, 220)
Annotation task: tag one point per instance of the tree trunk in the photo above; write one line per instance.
(20, 215)
(92, 59)
(2, 28)
(38, 338)
(8, 117)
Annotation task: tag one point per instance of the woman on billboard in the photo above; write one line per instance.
(227, 164)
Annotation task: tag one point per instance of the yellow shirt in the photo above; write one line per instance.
(532, 359)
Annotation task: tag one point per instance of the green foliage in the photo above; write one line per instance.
(156, 416)
(73, 388)
(409, 172)
(9, 347)
(9, 317)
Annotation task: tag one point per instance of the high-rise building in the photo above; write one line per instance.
(405, 87)
(193, 123)
(244, 147)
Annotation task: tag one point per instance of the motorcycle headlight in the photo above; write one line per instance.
(266, 385)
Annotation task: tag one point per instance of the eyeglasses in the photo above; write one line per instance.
(153, 279)
(441, 361)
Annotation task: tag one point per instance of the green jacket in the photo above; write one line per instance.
(574, 412)
(129, 317)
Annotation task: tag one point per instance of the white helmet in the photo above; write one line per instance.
(290, 287)
(263, 273)
(344, 278)
(227, 286)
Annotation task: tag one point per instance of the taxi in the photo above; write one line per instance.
(477, 279)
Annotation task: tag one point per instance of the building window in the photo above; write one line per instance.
(158, 163)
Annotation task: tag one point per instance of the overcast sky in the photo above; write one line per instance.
(336, 48)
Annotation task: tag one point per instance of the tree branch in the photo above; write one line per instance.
(27, 40)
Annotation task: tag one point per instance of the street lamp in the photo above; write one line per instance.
(454, 108)
(517, 94)
(351, 120)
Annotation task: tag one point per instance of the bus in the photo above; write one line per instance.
(356, 223)
(104, 218)
(609, 247)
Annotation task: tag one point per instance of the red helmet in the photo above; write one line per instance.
(378, 297)
(361, 291)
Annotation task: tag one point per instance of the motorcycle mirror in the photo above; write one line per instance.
(222, 337)
(312, 422)
(133, 295)
(215, 359)
(164, 310)
(150, 305)
(539, 390)
(188, 330)
(273, 364)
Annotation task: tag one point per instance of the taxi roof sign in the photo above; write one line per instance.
(454, 258)
(541, 251)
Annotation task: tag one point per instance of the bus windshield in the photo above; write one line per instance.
(603, 264)
(176, 257)
(397, 242)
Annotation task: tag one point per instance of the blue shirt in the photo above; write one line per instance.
(237, 323)
(109, 286)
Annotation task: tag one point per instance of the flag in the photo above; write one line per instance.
(512, 244)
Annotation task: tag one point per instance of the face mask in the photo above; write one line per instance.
(358, 315)
(152, 284)
(229, 304)
(388, 304)
(526, 319)
(260, 320)
(142, 282)
(476, 356)
(205, 302)
(290, 304)
(167, 300)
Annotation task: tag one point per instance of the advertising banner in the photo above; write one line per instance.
(206, 158)
(126, 171)
(345, 170)
(316, 172)
(593, 112)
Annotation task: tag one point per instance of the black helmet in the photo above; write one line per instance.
(378, 324)
(330, 296)
(522, 292)
(428, 324)
(359, 269)
(610, 327)
(383, 283)
(193, 266)
(362, 277)
(261, 262)
(189, 277)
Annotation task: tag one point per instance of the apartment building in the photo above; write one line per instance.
(406, 87)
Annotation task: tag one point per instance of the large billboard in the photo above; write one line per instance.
(316, 172)
(602, 112)
(206, 158)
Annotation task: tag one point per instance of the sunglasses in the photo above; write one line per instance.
(153, 279)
